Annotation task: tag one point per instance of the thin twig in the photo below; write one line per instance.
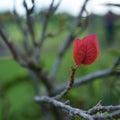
(30, 21)
(48, 14)
(23, 31)
(67, 89)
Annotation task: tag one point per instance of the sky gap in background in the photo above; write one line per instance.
(72, 7)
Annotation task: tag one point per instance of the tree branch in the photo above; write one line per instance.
(101, 108)
(86, 79)
(29, 20)
(27, 63)
(91, 77)
(48, 14)
(71, 111)
(9, 45)
(23, 31)
(113, 111)
(111, 116)
(69, 86)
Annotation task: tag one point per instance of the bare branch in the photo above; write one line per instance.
(27, 62)
(101, 108)
(70, 110)
(67, 43)
(17, 56)
(86, 79)
(91, 77)
(9, 45)
(87, 115)
(48, 14)
(23, 31)
(69, 86)
(30, 21)
(111, 116)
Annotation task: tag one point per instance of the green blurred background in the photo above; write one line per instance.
(16, 90)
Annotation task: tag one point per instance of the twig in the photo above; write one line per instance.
(48, 14)
(67, 89)
(16, 55)
(29, 20)
(23, 31)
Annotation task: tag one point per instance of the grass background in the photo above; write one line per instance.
(16, 90)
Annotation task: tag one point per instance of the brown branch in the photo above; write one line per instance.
(67, 43)
(67, 89)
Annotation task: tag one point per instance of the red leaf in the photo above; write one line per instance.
(86, 51)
